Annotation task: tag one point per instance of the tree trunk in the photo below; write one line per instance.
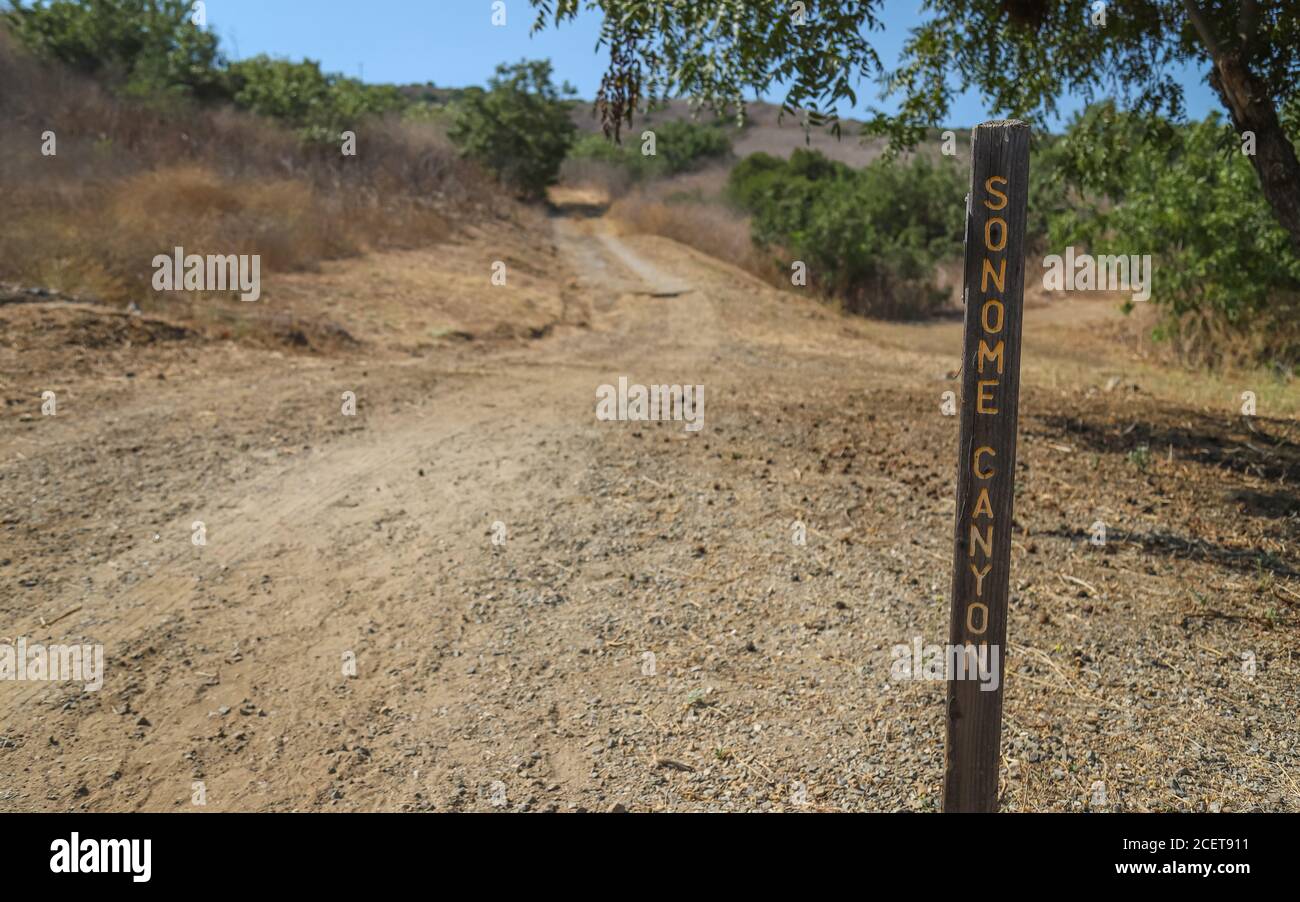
(1275, 162)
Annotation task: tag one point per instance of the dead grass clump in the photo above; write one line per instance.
(712, 229)
(887, 296)
(601, 175)
(690, 209)
(1271, 338)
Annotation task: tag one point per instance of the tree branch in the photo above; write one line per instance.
(1248, 27)
(1202, 28)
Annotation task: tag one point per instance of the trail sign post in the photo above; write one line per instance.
(986, 463)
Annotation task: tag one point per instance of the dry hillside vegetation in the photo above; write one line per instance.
(133, 179)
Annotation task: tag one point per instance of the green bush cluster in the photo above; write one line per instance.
(150, 46)
(1118, 183)
(679, 146)
(519, 128)
(153, 48)
(871, 237)
(1114, 183)
(319, 104)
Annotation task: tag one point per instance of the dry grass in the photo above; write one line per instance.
(608, 178)
(134, 179)
(1270, 339)
(689, 209)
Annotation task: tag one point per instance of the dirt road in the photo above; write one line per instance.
(473, 595)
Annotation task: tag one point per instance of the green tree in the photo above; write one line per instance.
(1024, 55)
(520, 127)
(151, 45)
(684, 146)
(319, 104)
(869, 236)
(1185, 198)
(298, 93)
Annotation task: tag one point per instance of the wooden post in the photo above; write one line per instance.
(986, 458)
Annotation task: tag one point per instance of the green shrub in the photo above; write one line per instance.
(319, 104)
(752, 177)
(151, 45)
(870, 236)
(680, 146)
(684, 146)
(1188, 196)
(519, 128)
(624, 157)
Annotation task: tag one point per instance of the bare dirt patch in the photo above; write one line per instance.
(521, 668)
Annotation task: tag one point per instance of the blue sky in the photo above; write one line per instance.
(453, 43)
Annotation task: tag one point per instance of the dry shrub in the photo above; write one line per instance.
(600, 175)
(713, 229)
(888, 297)
(185, 191)
(689, 209)
(1271, 337)
(133, 179)
(286, 221)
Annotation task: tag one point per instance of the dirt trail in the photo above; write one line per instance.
(647, 634)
